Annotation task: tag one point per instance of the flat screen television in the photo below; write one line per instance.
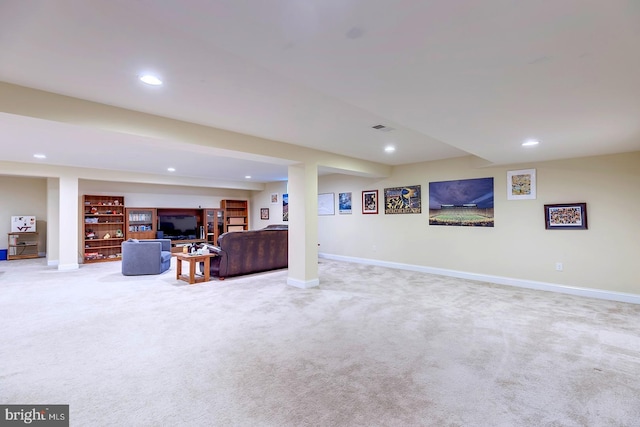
(178, 227)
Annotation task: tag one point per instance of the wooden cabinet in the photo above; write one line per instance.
(214, 223)
(23, 245)
(141, 223)
(236, 215)
(103, 225)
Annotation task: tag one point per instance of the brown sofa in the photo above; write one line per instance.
(246, 252)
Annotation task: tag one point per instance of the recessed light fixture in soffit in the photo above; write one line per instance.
(382, 128)
(151, 80)
(530, 143)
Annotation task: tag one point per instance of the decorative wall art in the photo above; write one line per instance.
(565, 216)
(285, 207)
(264, 213)
(326, 204)
(344, 203)
(274, 198)
(370, 202)
(466, 202)
(403, 200)
(521, 184)
(23, 224)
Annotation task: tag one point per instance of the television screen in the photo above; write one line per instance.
(178, 226)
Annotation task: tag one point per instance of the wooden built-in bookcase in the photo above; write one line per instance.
(103, 228)
(236, 215)
(214, 222)
(106, 222)
(141, 223)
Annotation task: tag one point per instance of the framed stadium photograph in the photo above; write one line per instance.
(521, 184)
(565, 216)
(462, 203)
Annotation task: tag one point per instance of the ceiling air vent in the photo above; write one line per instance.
(382, 128)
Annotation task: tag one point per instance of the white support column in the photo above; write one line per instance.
(68, 220)
(303, 226)
(53, 218)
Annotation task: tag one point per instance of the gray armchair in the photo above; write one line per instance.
(151, 256)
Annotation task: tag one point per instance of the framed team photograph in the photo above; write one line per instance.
(566, 216)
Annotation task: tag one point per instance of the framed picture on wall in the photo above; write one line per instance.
(521, 184)
(403, 200)
(344, 203)
(370, 202)
(285, 207)
(274, 198)
(565, 216)
(326, 204)
(264, 213)
(462, 203)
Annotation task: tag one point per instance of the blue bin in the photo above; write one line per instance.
(3, 254)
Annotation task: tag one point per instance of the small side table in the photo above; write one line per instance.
(193, 260)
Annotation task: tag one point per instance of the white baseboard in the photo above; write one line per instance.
(520, 283)
(302, 283)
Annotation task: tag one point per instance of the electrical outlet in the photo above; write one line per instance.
(559, 266)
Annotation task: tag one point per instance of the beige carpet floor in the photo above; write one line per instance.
(370, 346)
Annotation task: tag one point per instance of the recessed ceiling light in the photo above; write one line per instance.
(150, 80)
(382, 128)
(389, 149)
(39, 156)
(530, 143)
(171, 169)
(247, 176)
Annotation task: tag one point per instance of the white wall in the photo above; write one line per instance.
(28, 196)
(603, 257)
(262, 199)
(23, 196)
(162, 196)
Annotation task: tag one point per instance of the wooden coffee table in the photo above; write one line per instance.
(192, 260)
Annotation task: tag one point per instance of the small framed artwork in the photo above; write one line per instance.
(274, 198)
(264, 213)
(285, 207)
(370, 202)
(326, 204)
(521, 184)
(565, 216)
(344, 203)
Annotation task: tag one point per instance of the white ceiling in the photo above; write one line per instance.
(451, 77)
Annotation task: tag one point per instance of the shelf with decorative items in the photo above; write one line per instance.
(236, 215)
(23, 245)
(141, 223)
(103, 224)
